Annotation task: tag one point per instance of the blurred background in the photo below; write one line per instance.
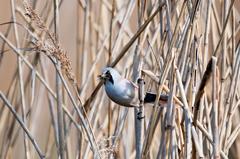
(90, 35)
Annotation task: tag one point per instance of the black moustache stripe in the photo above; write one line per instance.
(111, 79)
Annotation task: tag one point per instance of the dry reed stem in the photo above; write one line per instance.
(189, 32)
(61, 56)
(50, 91)
(10, 107)
(20, 71)
(60, 126)
(215, 109)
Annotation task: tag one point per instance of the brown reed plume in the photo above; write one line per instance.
(50, 47)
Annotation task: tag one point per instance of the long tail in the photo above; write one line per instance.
(151, 97)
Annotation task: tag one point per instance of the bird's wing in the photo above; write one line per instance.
(132, 89)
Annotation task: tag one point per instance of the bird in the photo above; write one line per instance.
(123, 91)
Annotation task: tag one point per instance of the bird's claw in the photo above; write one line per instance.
(140, 115)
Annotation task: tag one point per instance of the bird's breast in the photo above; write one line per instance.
(121, 93)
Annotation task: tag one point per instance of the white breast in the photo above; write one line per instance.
(123, 93)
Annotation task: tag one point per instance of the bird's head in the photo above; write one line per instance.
(109, 75)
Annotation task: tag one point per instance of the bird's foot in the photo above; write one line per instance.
(140, 115)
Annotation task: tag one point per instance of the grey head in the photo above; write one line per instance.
(109, 74)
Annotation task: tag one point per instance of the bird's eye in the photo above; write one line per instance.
(109, 76)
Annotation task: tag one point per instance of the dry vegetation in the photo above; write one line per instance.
(53, 105)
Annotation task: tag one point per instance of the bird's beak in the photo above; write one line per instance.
(102, 77)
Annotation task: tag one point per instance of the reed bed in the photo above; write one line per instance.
(52, 105)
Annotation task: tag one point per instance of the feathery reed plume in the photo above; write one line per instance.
(50, 47)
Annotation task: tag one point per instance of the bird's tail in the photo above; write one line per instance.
(151, 97)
